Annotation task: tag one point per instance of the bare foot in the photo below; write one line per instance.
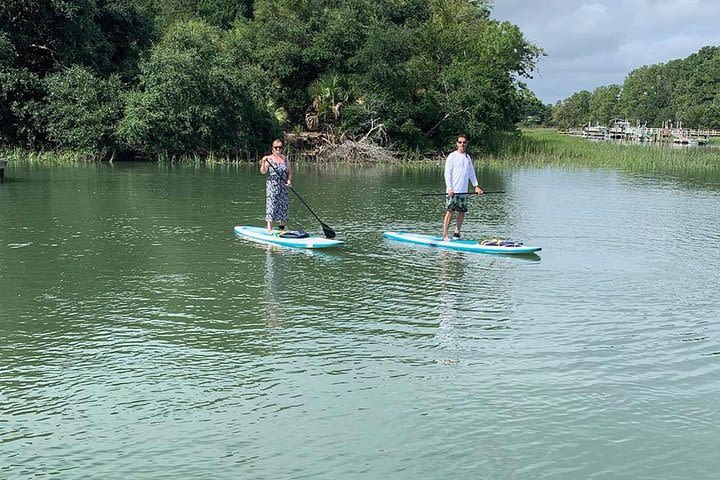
(445, 239)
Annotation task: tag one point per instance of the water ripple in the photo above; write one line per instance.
(144, 340)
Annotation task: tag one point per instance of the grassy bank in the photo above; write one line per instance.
(47, 157)
(537, 147)
(64, 157)
(545, 147)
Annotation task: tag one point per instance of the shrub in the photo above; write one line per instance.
(82, 110)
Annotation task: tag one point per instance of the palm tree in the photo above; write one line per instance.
(329, 93)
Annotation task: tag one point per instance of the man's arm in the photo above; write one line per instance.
(448, 175)
(473, 178)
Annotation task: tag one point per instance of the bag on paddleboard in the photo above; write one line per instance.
(497, 242)
(294, 234)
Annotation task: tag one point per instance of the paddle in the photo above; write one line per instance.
(329, 232)
(466, 193)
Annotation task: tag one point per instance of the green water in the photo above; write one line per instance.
(140, 339)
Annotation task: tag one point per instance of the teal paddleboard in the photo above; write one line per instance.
(261, 235)
(501, 247)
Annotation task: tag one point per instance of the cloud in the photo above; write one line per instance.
(595, 43)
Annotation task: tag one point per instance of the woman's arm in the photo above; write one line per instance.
(264, 165)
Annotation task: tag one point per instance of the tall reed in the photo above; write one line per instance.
(47, 157)
(544, 147)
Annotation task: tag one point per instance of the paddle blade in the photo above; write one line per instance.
(329, 232)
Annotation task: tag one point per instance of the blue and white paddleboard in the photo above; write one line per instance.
(513, 248)
(261, 235)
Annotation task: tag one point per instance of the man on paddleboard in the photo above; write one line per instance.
(459, 171)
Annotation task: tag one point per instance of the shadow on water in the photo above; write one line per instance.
(409, 248)
(529, 257)
(282, 249)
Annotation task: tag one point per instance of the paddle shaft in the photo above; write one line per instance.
(467, 194)
(329, 232)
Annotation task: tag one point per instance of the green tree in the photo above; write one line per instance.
(697, 93)
(297, 42)
(603, 105)
(82, 111)
(534, 112)
(192, 100)
(380, 85)
(646, 95)
(7, 51)
(223, 75)
(574, 111)
(456, 71)
(105, 35)
(21, 96)
(219, 13)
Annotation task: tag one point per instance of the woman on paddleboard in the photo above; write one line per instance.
(279, 178)
(459, 170)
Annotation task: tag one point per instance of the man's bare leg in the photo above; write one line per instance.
(459, 222)
(446, 224)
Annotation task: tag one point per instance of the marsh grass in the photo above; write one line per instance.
(531, 148)
(210, 159)
(62, 157)
(48, 157)
(544, 147)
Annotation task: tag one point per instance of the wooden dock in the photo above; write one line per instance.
(3, 164)
(622, 130)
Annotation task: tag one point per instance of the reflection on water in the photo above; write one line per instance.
(450, 278)
(274, 276)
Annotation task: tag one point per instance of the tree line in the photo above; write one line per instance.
(194, 77)
(686, 90)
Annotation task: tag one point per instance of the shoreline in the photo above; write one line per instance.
(530, 148)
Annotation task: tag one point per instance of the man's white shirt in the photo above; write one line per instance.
(459, 170)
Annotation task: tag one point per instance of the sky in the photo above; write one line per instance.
(595, 43)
